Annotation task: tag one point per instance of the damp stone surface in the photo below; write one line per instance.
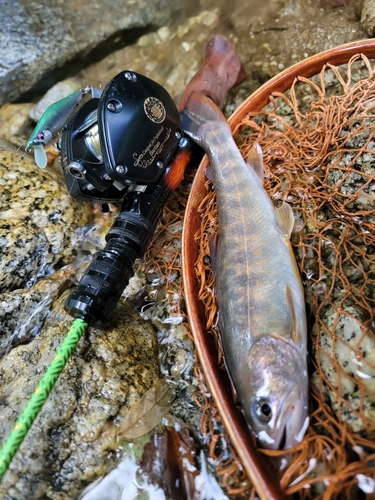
(37, 220)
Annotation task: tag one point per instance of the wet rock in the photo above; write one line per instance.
(37, 220)
(67, 447)
(368, 17)
(91, 237)
(39, 39)
(22, 312)
(177, 363)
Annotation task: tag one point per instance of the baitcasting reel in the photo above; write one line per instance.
(127, 135)
(125, 142)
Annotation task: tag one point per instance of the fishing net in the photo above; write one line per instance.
(318, 140)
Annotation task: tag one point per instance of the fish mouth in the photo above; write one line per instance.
(295, 428)
(282, 442)
(271, 441)
(287, 434)
(289, 425)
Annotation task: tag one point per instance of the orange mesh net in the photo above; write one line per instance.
(319, 152)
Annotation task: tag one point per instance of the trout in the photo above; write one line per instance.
(262, 315)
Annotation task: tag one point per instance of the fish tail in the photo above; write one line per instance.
(201, 115)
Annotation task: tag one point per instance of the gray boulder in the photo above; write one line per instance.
(39, 38)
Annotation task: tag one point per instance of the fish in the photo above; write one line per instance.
(262, 313)
(51, 121)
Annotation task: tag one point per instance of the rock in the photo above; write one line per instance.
(291, 32)
(349, 378)
(37, 220)
(177, 363)
(68, 446)
(22, 312)
(151, 54)
(40, 41)
(16, 124)
(269, 37)
(368, 17)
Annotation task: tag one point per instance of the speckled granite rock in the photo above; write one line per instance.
(66, 448)
(15, 123)
(37, 220)
(351, 378)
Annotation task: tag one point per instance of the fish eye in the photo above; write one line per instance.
(262, 410)
(266, 409)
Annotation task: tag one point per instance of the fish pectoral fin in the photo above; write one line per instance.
(208, 172)
(285, 217)
(255, 161)
(296, 336)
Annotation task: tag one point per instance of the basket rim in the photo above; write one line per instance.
(258, 471)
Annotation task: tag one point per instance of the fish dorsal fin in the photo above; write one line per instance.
(296, 337)
(40, 156)
(255, 161)
(285, 217)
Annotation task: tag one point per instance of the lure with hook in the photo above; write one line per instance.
(52, 120)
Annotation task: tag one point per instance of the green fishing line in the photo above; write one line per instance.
(40, 395)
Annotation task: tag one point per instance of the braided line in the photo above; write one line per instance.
(40, 395)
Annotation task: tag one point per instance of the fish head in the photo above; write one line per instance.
(275, 397)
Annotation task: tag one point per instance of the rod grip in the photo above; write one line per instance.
(112, 267)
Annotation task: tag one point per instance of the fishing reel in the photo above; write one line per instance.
(124, 143)
(122, 136)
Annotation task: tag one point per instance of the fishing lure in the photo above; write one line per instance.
(52, 120)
